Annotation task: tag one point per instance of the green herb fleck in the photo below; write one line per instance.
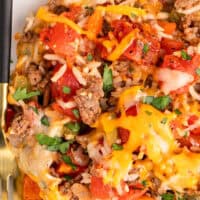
(167, 196)
(54, 143)
(144, 183)
(76, 113)
(161, 102)
(164, 120)
(89, 57)
(73, 126)
(145, 48)
(185, 56)
(185, 134)
(198, 71)
(45, 121)
(66, 90)
(89, 10)
(177, 111)
(148, 99)
(11, 61)
(27, 52)
(21, 94)
(48, 141)
(148, 112)
(107, 79)
(133, 15)
(68, 177)
(117, 147)
(68, 161)
(34, 109)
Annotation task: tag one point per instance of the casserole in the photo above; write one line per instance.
(105, 100)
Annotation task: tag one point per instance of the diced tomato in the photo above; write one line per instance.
(192, 119)
(170, 45)
(10, 113)
(67, 80)
(135, 51)
(98, 189)
(58, 39)
(121, 28)
(30, 189)
(188, 66)
(123, 134)
(73, 13)
(132, 111)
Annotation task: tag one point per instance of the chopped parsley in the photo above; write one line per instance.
(185, 55)
(117, 147)
(164, 120)
(34, 109)
(198, 71)
(11, 61)
(21, 94)
(145, 48)
(159, 103)
(148, 112)
(76, 113)
(167, 196)
(107, 79)
(66, 90)
(185, 134)
(89, 57)
(133, 15)
(144, 183)
(68, 161)
(177, 111)
(73, 127)
(45, 121)
(68, 177)
(54, 143)
(89, 10)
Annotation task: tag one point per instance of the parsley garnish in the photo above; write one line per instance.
(68, 177)
(198, 71)
(11, 61)
(54, 143)
(34, 109)
(21, 94)
(76, 113)
(185, 134)
(89, 10)
(66, 90)
(133, 15)
(73, 126)
(45, 121)
(167, 196)
(159, 103)
(68, 161)
(107, 79)
(145, 48)
(164, 121)
(144, 183)
(148, 112)
(117, 147)
(177, 111)
(89, 57)
(185, 56)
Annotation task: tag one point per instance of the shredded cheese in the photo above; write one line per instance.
(160, 147)
(123, 45)
(59, 73)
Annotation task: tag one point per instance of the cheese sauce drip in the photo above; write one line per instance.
(175, 170)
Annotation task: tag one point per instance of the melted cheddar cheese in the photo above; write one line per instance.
(175, 170)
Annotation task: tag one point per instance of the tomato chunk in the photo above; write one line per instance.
(99, 189)
(58, 39)
(67, 80)
(123, 134)
(170, 45)
(10, 113)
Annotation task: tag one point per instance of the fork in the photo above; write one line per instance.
(8, 167)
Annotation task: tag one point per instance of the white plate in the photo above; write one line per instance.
(22, 9)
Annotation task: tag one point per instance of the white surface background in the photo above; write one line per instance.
(21, 9)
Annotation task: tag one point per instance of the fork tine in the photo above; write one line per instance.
(10, 183)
